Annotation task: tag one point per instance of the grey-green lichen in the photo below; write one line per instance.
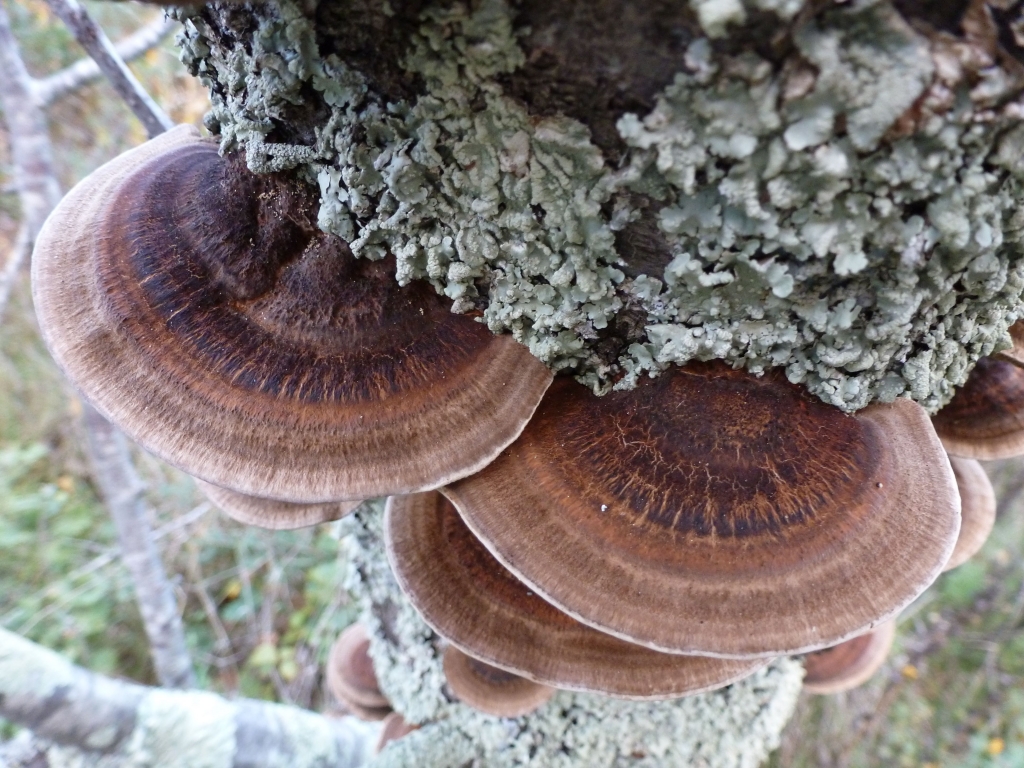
(736, 726)
(853, 215)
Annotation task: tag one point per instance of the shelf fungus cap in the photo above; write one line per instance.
(985, 418)
(273, 514)
(849, 664)
(977, 509)
(350, 675)
(199, 307)
(394, 728)
(471, 600)
(491, 690)
(715, 513)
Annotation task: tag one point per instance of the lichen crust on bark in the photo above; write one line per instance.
(843, 201)
(736, 726)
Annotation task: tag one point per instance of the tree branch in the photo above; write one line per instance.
(11, 268)
(34, 172)
(122, 489)
(133, 725)
(89, 35)
(53, 87)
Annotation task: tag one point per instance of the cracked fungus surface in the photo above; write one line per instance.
(735, 727)
(851, 215)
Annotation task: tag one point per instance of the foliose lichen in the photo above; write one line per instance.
(731, 728)
(851, 214)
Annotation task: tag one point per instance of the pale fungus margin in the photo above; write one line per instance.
(272, 514)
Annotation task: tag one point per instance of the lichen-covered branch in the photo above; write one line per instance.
(830, 188)
(132, 725)
(98, 46)
(84, 71)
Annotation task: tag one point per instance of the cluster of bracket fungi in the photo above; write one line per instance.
(646, 544)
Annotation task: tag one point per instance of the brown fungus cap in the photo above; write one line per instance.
(199, 307)
(491, 690)
(712, 512)
(395, 728)
(985, 418)
(350, 675)
(475, 603)
(977, 509)
(849, 664)
(270, 513)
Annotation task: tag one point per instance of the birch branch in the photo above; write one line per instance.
(135, 726)
(12, 266)
(122, 489)
(89, 35)
(84, 71)
(34, 172)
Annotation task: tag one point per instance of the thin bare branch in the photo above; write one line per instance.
(122, 489)
(89, 35)
(17, 257)
(84, 71)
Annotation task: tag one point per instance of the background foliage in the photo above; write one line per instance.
(262, 608)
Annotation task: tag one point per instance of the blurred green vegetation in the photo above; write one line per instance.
(260, 608)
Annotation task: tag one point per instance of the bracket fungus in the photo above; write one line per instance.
(197, 306)
(491, 690)
(350, 675)
(977, 509)
(273, 514)
(985, 418)
(851, 663)
(477, 605)
(714, 513)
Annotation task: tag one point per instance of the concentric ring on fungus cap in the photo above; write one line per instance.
(715, 513)
(476, 604)
(272, 514)
(284, 369)
(985, 418)
(977, 509)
